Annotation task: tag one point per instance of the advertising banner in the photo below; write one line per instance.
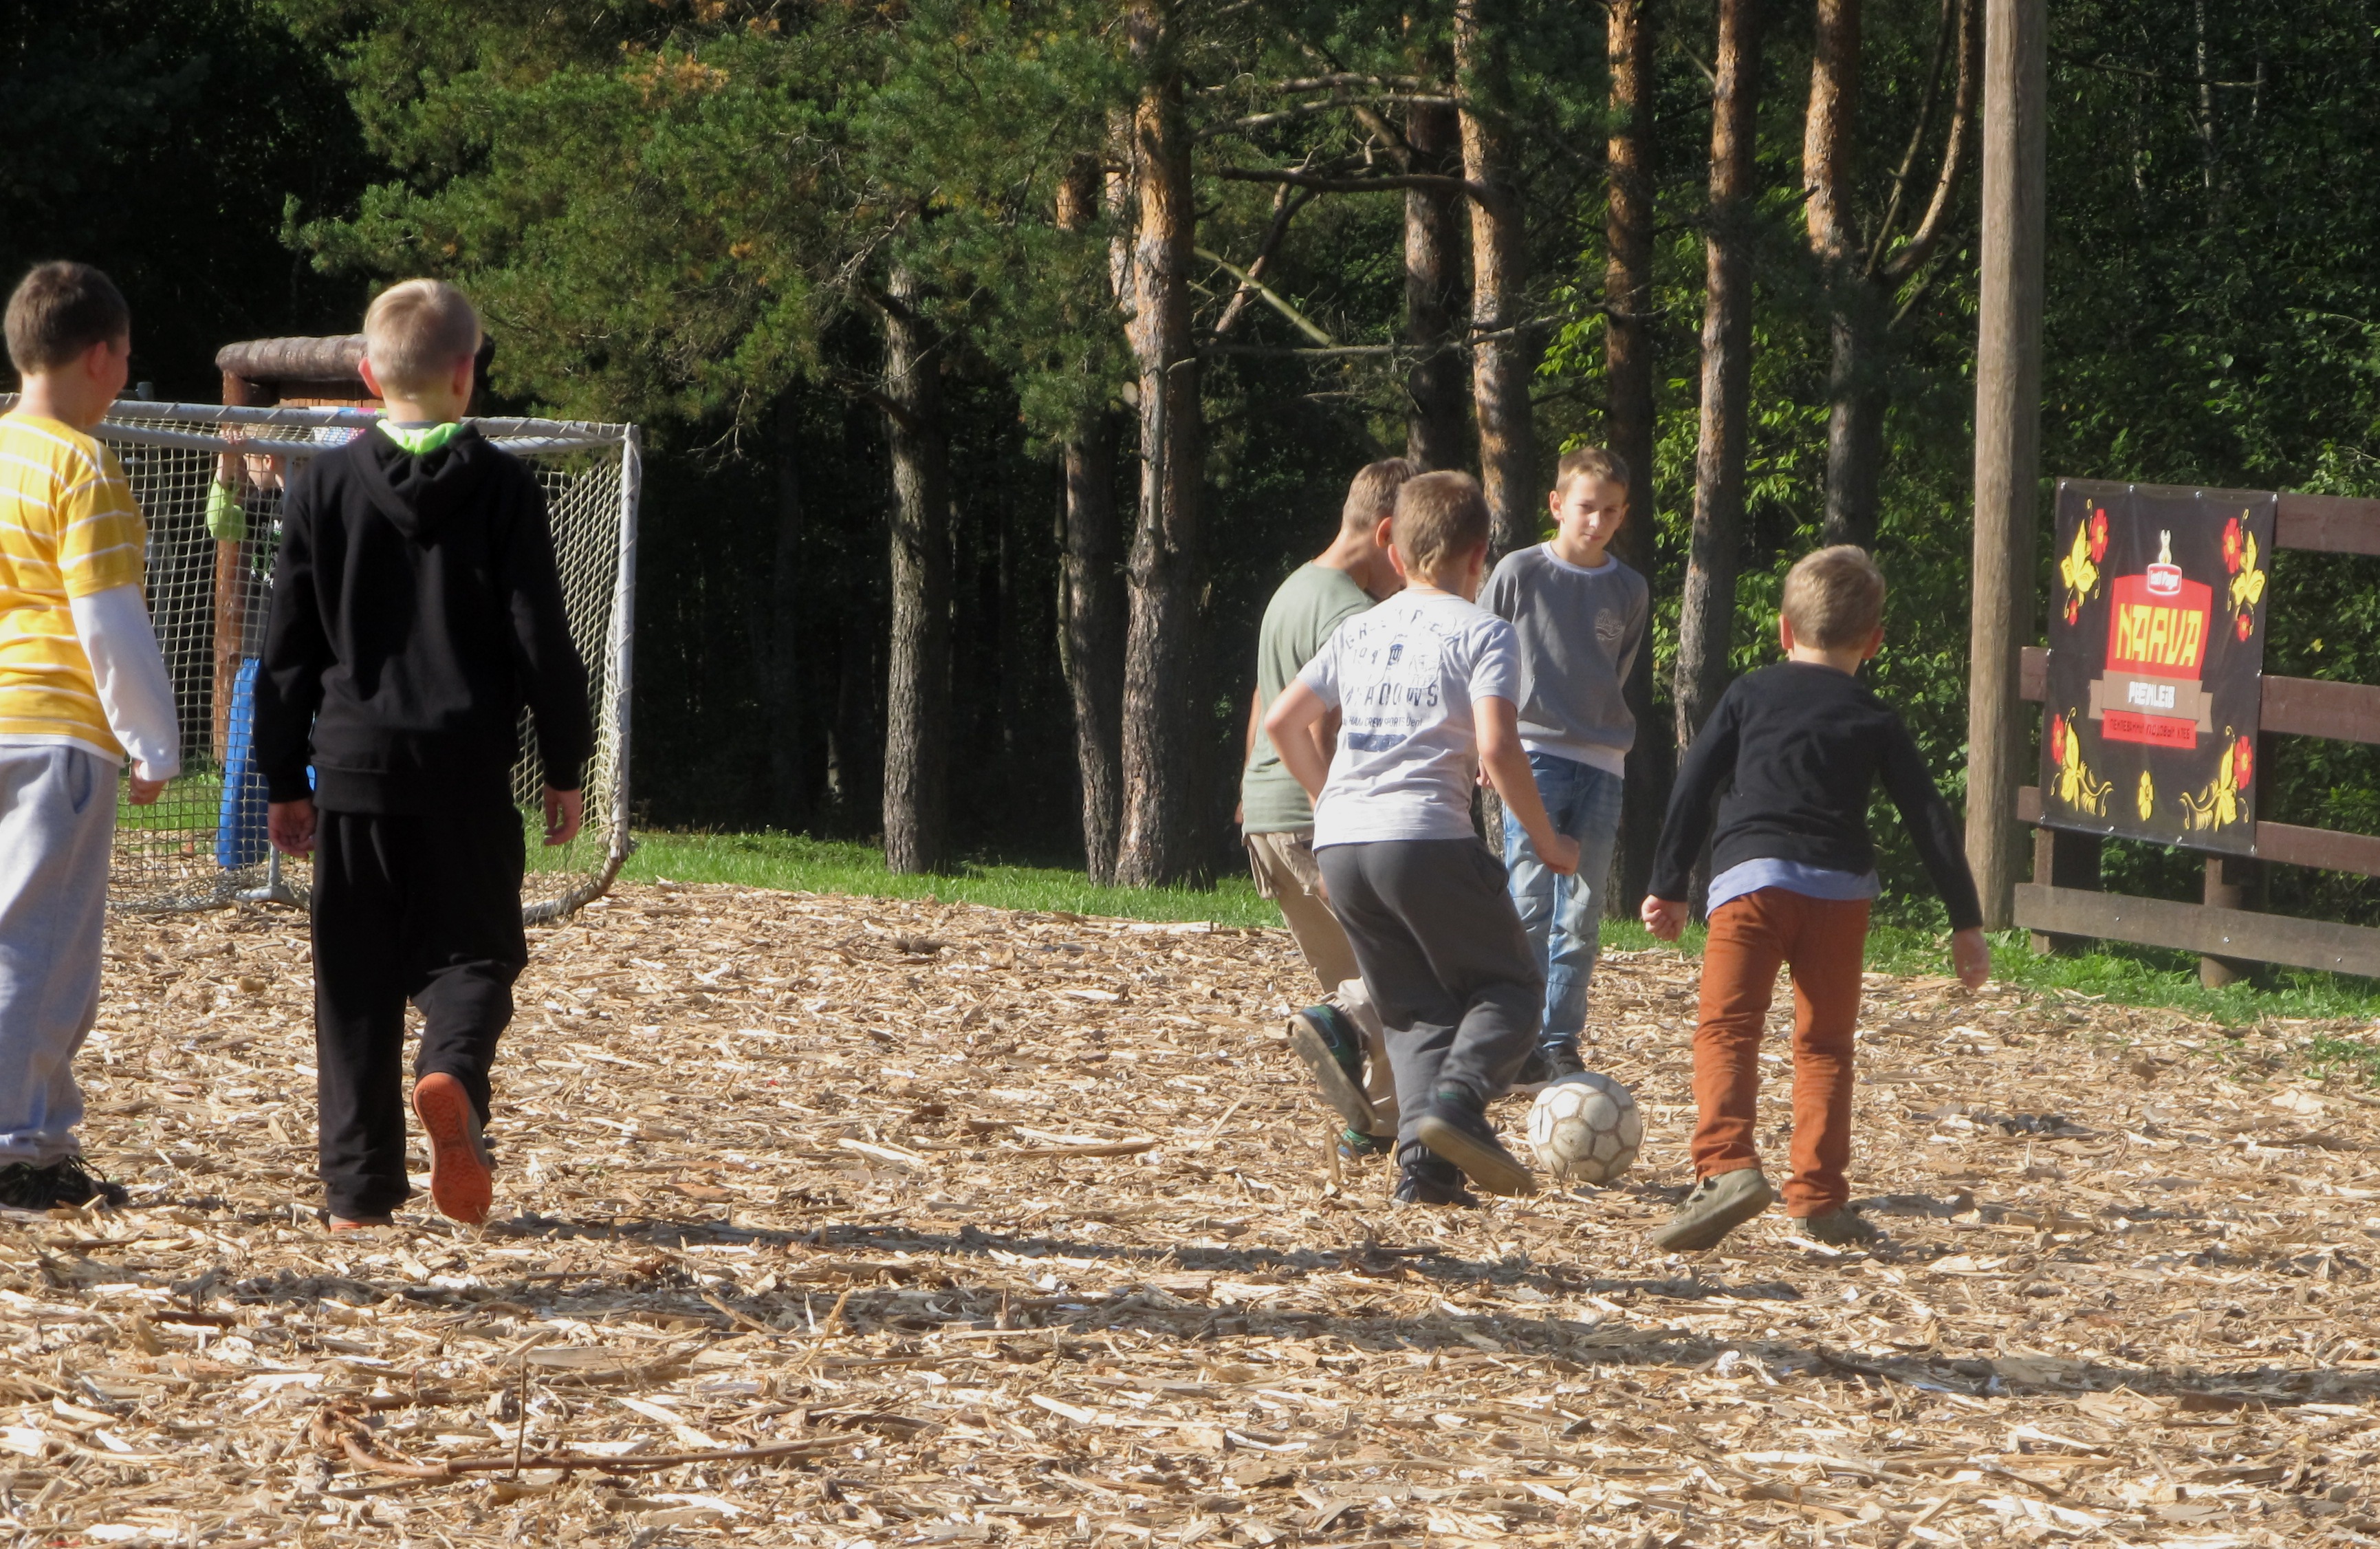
(2157, 661)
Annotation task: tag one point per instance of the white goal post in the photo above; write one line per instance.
(208, 479)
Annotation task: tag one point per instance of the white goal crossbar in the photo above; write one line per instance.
(208, 479)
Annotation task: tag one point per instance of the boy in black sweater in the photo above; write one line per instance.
(416, 611)
(1792, 753)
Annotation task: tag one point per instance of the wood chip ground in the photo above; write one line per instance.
(938, 1225)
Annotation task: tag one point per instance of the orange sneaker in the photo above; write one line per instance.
(459, 1181)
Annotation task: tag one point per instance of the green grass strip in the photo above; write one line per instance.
(2131, 976)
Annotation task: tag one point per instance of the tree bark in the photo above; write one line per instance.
(2008, 433)
(1090, 587)
(779, 637)
(917, 708)
(1706, 615)
(1628, 377)
(1433, 276)
(1163, 757)
(1499, 350)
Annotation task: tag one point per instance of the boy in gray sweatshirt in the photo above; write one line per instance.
(1580, 618)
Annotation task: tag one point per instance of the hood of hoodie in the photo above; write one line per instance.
(420, 492)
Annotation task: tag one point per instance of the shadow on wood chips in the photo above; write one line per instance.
(846, 1222)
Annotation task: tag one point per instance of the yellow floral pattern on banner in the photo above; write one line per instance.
(2075, 786)
(2248, 577)
(2146, 798)
(2223, 802)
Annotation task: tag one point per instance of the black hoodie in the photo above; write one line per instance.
(416, 610)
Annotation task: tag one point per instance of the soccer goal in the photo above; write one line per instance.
(209, 481)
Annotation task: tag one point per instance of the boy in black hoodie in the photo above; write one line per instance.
(416, 610)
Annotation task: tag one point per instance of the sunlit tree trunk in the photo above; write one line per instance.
(1499, 353)
(1162, 758)
(1433, 281)
(917, 707)
(1706, 615)
(1090, 587)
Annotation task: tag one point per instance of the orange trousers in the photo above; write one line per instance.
(1750, 936)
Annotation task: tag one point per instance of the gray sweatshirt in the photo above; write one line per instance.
(1580, 631)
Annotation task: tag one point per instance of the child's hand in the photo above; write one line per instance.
(1560, 856)
(290, 826)
(1971, 958)
(1666, 917)
(564, 812)
(141, 792)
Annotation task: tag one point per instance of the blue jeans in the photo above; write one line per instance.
(1564, 916)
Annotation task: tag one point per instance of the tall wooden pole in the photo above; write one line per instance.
(2008, 432)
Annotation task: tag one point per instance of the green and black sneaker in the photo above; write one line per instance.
(1354, 1145)
(1327, 1040)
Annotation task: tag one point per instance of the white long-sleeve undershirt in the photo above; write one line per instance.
(130, 673)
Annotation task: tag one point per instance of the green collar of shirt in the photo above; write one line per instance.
(421, 440)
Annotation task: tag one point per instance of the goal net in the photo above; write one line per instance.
(210, 483)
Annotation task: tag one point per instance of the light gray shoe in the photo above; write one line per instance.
(1839, 1227)
(1719, 1206)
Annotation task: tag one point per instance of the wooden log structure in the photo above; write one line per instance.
(2063, 906)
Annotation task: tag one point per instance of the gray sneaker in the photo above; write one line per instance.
(1839, 1227)
(1719, 1206)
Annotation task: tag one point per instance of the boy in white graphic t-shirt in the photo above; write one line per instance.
(1427, 685)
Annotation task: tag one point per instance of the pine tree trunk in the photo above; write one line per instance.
(1855, 414)
(1090, 635)
(1163, 756)
(1706, 616)
(780, 677)
(1499, 353)
(1090, 587)
(1433, 278)
(917, 708)
(1628, 376)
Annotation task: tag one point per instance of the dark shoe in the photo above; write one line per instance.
(1428, 1179)
(1839, 1227)
(67, 1184)
(1356, 1146)
(1456, 1127)
(1719, 1206)
(1535, 1071)
(1327, 1040)
(1562, 1060)
(459, 1181)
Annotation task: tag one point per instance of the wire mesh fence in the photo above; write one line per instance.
(210, 483)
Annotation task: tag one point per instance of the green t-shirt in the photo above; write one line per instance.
(1301, 616)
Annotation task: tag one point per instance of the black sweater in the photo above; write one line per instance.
(1795, 749)
(416, 610)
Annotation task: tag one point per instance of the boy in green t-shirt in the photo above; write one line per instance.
(1277, 820)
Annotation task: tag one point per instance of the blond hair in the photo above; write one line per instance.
(1440, 517)
(1590, 462)
(1834, 597)
(415, 331)
(1372, 494)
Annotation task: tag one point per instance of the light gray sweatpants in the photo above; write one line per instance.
(57, 815)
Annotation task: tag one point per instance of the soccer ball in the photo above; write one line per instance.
(1588, 1126)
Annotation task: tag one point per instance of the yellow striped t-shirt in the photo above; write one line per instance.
(68, 528)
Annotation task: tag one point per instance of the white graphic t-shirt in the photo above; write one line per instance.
(1405, 677)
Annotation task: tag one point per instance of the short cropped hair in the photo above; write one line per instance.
(1373, 494)
(414, 332)
(61, 309)
(1590, 462)
(1834, 597)
(1439, 517)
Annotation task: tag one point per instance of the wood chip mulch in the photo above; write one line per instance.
(845, 1222)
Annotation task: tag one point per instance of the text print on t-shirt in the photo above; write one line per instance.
(1405, 681)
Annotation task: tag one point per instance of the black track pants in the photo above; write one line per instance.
(418, 908)
(1458, 989)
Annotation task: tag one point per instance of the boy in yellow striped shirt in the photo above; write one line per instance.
(82, 689)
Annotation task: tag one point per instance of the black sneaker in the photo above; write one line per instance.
(1356, 1146)
(1562, 1060)
(1328, 1041)
(1456, 1127)
(69, 1183)
(1535, 1071)
(1429, 1180)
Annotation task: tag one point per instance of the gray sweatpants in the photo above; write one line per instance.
(1443, 953)
(57, 815)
